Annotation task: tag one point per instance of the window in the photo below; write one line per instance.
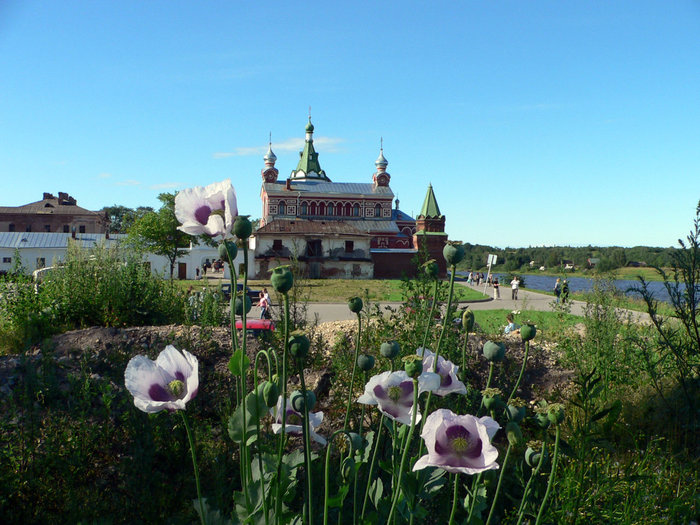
(283, 208)
(322, 209)
(277, 245)
(313, 208)
(47, 227)
(331, 209)
(313, 248)
(377, 211)
(28, 228)
(347, 210)
(356, 210)
(82, 229)
(7, 260)
(304, 208)
(11, 227)
(349, 246)
(66, 228)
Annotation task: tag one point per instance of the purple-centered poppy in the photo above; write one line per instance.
(294, 421)
(208, 210)
(458, 443)
(392, 392)
(447, 371)
(167, 383)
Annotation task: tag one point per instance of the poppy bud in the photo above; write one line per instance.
(228, 251)
(282, 279)
(355, 304)
(299, 345)
(365, 362)
(514, 434)
(270, 393)
(555, 413)
(390, 349)
(468, 320)
(242, 301)
(297, 400)
(347, 469)
(527, 332)
(494, 351)
(542, 419)
(357, 442)
(242, 227)
(453, 253)
(515, 413)
(431, 269)
(533, 454)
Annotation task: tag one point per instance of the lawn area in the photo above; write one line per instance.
(339, 290)
(494, 321)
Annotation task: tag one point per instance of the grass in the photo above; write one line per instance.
(339, 290)
(547, 323)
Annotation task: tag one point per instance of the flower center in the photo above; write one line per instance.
(177, 388)
(460, 444)
(202, 214)
(294, 419)
(394, 393)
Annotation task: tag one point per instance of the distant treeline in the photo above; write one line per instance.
(557, 257)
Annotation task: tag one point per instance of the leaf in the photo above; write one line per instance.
(376, 491)
(337, 499)
(234, 364)
(255, 409)
(211, 516)
(435, 481)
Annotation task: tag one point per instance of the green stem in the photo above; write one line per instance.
(475, 485)
(431, 315)
(550, 482)
(371, 465)
(190, 437)
(522, 371)
(245, 461)
(397, 489)
(307, 444)
(257, 429)
(464, 352)
(488, 384)
(326, 477)
(533, 476)
(354, 368)
(498, 486)
(454, 499)
(283, 435)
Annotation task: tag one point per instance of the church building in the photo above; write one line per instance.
(340, 229)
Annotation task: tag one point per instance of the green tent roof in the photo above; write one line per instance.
(430, 209)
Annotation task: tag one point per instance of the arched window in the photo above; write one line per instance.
(282, 208)
(331, 209)
(313, 208)
(322, 209)
(356, 210)
(304, 208)
(347, 210)
(377, 211)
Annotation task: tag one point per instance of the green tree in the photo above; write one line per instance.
(122, 218)
(156, 232)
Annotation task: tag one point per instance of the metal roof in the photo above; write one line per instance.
(376, 226)
(304, 227)
(328, 188)
(22, 240)
(47, 207)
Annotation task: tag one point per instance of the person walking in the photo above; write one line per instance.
(263, 304)
(564, 292)
(514, 285)
(496, 288)
(557, 289)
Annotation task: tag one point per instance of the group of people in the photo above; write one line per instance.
(217, 266)
(264, 304)
(561, 290)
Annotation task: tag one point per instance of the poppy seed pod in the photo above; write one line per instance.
(299, 345)
(365, 362)
(355, 304)
(515, 413)
(555, 413)
(270, 393)
(297, 400)
(282, 279)
(514, 434)
(468, 320)
(242, 227)
(453, 253)
(413, 365)
(542, 419)
(528, 332)
(431, 269)
(240, 302)
(492, 402)
(532, 456)
(494, 351)
(390, 349)
(228, 251)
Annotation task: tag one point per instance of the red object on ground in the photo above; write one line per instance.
(256, 324)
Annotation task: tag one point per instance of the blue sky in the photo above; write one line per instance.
(538, 123)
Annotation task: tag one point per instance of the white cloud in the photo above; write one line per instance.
(165, 186)
(325, 144)
(104, 175)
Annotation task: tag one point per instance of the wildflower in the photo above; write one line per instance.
(458, 443)
(208, 210)
(392, 392)
(168, 383)
(447, 371)
(294, 421)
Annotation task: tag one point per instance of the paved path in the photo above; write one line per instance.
(527, 300)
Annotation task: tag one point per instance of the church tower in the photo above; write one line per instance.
(269, 172)
(309, 167)
(381, 177)
(430, 230)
